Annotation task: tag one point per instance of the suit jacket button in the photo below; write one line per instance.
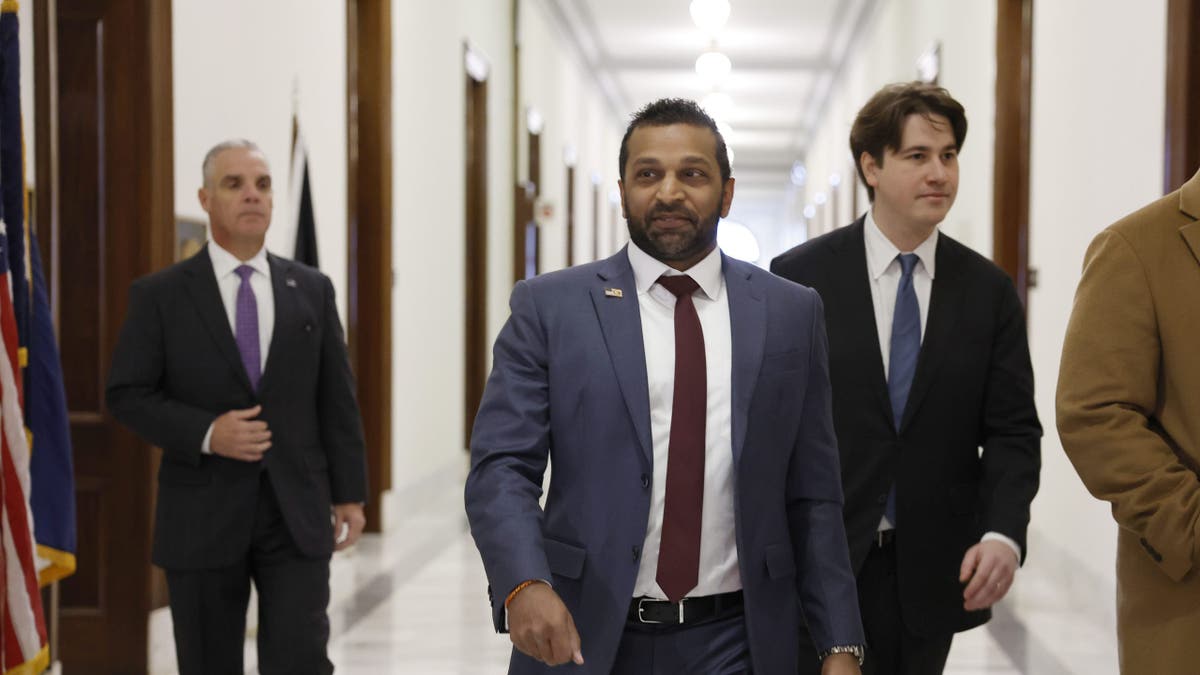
(637, 551)
(645, 481)
(881, 499)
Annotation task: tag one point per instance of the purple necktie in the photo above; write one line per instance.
(246, 323)
(679, 552)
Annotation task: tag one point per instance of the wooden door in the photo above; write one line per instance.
(105, 135)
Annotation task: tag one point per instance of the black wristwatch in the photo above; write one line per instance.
(856, 650)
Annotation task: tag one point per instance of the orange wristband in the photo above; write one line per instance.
(520, 587)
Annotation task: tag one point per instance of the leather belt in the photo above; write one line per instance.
(883, 538)
(688, 610)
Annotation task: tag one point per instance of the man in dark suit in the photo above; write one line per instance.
(682, 400)
(234, 363)
(930, 364)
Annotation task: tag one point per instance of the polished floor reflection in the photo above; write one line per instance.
(412, 601)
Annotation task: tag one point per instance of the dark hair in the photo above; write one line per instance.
(668, 111)
(880, 123)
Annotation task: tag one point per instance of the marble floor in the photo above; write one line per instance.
(413, 601)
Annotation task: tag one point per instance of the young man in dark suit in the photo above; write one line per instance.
(234, 363)
(930, 364)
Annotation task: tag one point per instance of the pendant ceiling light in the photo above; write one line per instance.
(713, 67)
(710, 15)
(718, 105)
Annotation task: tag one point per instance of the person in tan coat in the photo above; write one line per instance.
(1129, 418)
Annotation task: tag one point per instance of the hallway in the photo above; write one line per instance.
(412, 601)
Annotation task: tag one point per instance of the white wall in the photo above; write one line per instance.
(898, 32)
(1097, 154)
(236, 66)
(555, 82)
(25, 18)
(429, 83)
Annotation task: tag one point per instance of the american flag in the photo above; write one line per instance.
(23, 642)
(23, 645)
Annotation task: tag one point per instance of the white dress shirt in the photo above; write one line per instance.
(224, 265)
(718, 547)
(884, 271)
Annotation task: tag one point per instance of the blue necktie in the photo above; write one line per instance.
(906, 346)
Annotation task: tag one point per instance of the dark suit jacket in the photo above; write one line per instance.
(973, 389)
(176, 368)
(569, 385)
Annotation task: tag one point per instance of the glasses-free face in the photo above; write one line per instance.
(672, 194)
(238, 199)
(915, 184)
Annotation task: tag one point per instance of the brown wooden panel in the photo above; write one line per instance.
(83, 592)
(570, 207)
(82, 92)
(369, 222)
(105, 134)
(1010, 199)
(475, 236)
(1182, 143)
(523, 225)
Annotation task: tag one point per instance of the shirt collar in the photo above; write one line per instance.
(225, 263)
(647, 270)
(881, 252)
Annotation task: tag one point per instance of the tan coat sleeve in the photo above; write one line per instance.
(1108, 400)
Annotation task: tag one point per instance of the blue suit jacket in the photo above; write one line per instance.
(569, 385)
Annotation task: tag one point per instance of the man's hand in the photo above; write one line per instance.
(351, 518)
(541, 626)
(237, 435)
(840, 664)
(990, 566)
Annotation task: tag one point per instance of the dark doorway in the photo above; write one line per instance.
(475, 236)
(1181, 150)
(369, 233)
(1010, 196)
(570, 216)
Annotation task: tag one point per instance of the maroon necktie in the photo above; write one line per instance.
(679, 551)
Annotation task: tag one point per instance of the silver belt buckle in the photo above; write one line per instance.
(641, 608)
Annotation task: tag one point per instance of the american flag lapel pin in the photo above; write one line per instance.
(614, 292)
(291, 283)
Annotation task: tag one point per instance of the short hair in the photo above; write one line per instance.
(668, 111)
(880, 124)
(206, 167)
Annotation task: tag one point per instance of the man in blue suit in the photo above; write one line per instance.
(683, 401)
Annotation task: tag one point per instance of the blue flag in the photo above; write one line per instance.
(52, 481)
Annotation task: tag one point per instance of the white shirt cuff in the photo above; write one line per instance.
(206, 444)
(996, 536)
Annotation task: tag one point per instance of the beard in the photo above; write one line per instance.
(677, 244)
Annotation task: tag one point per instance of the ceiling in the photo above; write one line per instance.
(785, 54)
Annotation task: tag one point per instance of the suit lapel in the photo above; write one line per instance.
(615, 297)
(206, 296)
(944, 299)
(1191, 236)
(857, 302)
(748, 333)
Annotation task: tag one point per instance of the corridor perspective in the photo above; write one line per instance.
(427, 155)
